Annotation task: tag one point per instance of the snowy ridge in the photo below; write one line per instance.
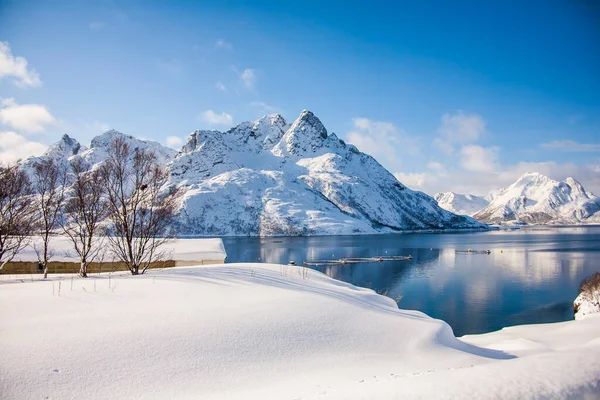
(97, 152)
(269, 177)
(462, 204)
(537, 199)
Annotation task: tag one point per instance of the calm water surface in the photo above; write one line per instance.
(533, 280)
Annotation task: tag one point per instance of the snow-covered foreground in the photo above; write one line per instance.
(261, 331)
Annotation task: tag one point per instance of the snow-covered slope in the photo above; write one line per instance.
(271, 178)
(462, 204)
(184, 333)
(60, 152)
(537, 199)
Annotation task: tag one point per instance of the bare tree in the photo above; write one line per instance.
(16, 212)
(49, 181)
(84, 210)
(142, 210)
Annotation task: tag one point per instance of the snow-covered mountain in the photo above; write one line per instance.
(537, 199)
(60, 151)
(462, 204)
(99, 147)
(269, 177)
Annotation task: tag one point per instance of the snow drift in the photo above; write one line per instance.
(259, 331)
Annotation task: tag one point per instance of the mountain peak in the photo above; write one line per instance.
(532, 178)
(305, 136)
(104, 139)
(308, 122)
(64, 148)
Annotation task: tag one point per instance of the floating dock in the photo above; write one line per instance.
(344, 261)
(473, 251)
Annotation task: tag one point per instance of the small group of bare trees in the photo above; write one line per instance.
(124, 200)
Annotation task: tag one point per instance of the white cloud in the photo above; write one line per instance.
(173, 141)
(570, 145)
(216, 119)
(17, 67)
(97, 25)
(248, 77)
(434, 165)
(25, 117)
(412, 180)
(381, 138)
(462, 128)
(478, 158)
(14, 147)
(219, 85)
(222, 44)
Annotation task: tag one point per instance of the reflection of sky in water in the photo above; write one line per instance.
(534, 280)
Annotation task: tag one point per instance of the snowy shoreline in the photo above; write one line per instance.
(268, 331)
(432, 231)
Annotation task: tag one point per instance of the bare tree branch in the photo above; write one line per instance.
(16, 212)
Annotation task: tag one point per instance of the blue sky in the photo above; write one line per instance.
(459, 96)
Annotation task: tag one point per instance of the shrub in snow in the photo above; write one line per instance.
(588, 301)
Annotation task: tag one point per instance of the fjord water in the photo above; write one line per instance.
(531, 276)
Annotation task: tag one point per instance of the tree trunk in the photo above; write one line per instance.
(45, 270)
(83, 269)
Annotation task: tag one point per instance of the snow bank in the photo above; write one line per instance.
(262, 331)
(179, 249)
(586, 304)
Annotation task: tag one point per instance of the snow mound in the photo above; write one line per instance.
(260, 331)
(537, 199)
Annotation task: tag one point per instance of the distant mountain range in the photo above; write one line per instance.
(269, 177)
(532, 199)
